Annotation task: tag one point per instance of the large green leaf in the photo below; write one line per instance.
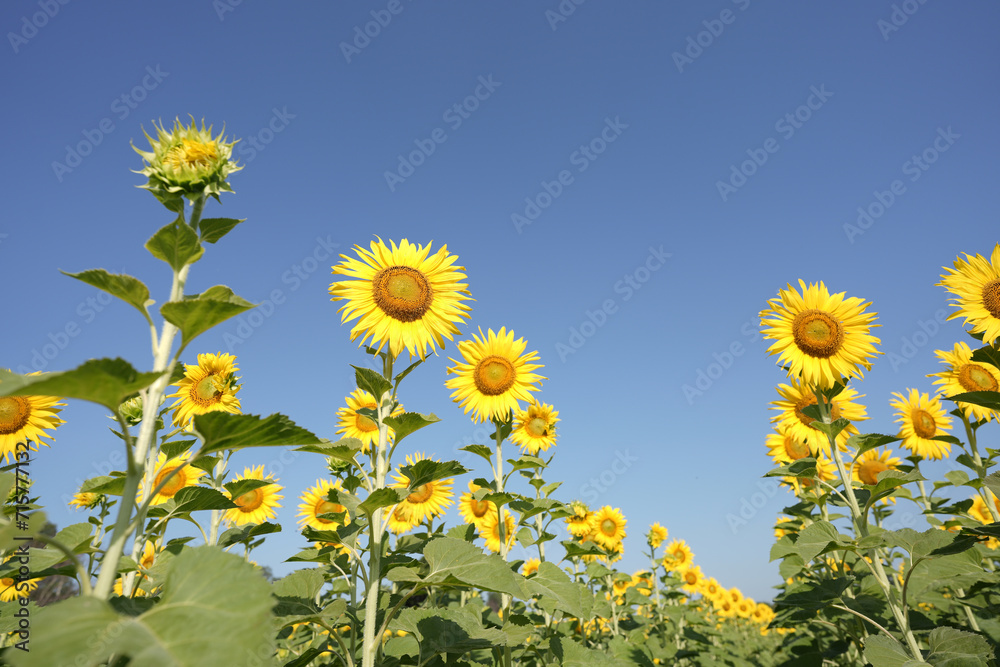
(447, 630)
(408, 422)
(425, 471)
(130, 290)
(453, 561)
(213, 229)
(215, 610)
(882, 651)
(194, 315)
(381, 498)
(957, 648)
(867, 441)
(372, 382)
(176, 244)
(985, 399)
(815, 538)
(221, 430)
(556, 590)
(343, 450)
(194, 498)
(104, 381)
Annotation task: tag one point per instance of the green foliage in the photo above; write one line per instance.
(107, 382)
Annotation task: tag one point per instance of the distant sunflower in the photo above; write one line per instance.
(609, 527)
(826, 471)
(489, 530)
(495, 375)
(762, 613)
(530, 567)
(965, 375)
(656, 535)
(745, 607)
(353, 424)
(472, 510)
(783, 447)
(797, 396)
(922, 417)
(822, 337)
(725, 607)
(257, 505)
(427, 500)
(85, 500)
(975, 282)
(711, 589)
(734, 594)
(535, 428)
(186, 475)
(581, 523)
(209, 386)
(678, 556)
(405, 297)
(871, 463)
(400, 520)
(315, 502)
(691, 578)
(979, 510)
(27, 419)
(11, 589)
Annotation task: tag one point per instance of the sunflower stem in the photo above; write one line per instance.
(502, 527)
(980, 470)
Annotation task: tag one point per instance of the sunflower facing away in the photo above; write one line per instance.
(186, 475)
(209, 386)
(922, 418)
(656, 535)
(822, 337)
(472, 510)
(535, 428)
(353, 424)
(609, 527)
(797, 396)
(256, 505)
(26, 419)
(965, 375)
(427, 500)
(871, 463)
(489, 530)
(403, 297)
(495, 375)
(975, 282)
(316, 502)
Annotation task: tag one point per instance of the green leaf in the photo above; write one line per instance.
(480, 450)
(447, 630)
(804, 467)
(889, 480)
(112, 486)
(556, 591)
(882, 651)
(130, 290)
(815, 538)
(372, 382)
(992, 483)
(194, 315)
(381, 498)
(221, 430)
(957, 648)
(425, 471)
(987, 355)
(453, 561)
(106, 382)
(176, 447)
(408, 422)
(867, 441)
(344, 449)
(194, 498)
(176, 244)
(245, 534)
(985, 399)
(213, 229)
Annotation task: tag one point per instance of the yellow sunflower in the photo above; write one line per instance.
(400, 520)
(11, 589)
(149, 552)
(581, 523)
(871, 463)
(489, 530)
(85, 500)
(980, 512)
(530, 567)
(472, 510)
(535, 428)
(793, 422)
(656, 535)
(26, 419)
(315, 501)
(187, 475)
(353, 424)
(975, 282)
(922, 418)
(209, 386)
(678, 556)
(825, 472)
(762, 613)
(725, 607)
(427, 500)
(745, 607)
(257, 505)
(782, 447)
(965, 375)
(691, 578)
(822, 337)
(609, 527)
(711, 589)
(404, 296)
(137, 591)
(495, 375)
(734, 594)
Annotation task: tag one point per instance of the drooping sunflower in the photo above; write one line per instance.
(609, 527)
(353, 424)
(783, 447)
(790, 418)
(400, 519)
(922, 417)
(965, 375)
(257, 505)
(822, 337)
(530, 567)
(209, 386)
(581, 523)
(678, 556)
(489, 530)
(495, 375)
(405, 297)
(27, 419)
(472, 510)
(656, 535)
(535, 428)
(316, 501)
(975, 282)
(427, 500)
(11, 588)
(186, 475)
(691, 578)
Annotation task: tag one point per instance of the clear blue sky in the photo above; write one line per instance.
(644, 137)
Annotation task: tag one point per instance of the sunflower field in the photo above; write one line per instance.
(384, 580)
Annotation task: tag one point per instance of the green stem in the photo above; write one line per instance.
(502, 528)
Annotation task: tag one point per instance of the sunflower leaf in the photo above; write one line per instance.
(425, 471)
(194, 315)
(867, 441)
(244, 534)
(883, 651)
(342, 497)
(451, 561)
(194, 498)
(984, 399)
(343, 450)
(175, 448)
(993, 483)
(381, 498)
(887, 481)
(815, 538)
(238, 487)
(804, 467)
(987, 355)
(213, 229)
(370, 381)
(555, 590)
(130, 290)
(480, 450)
(224, 431)
(106, 382)
(111, 486)
(952, 646)
(176, 244)
(408, 422)
(577, 549)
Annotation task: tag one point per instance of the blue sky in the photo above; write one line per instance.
(727, 144)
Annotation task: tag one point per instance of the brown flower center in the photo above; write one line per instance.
(869, 470)
(537, 427)
(173, 485)
(251, 500)
(327, 507)
(991, 298)
(494, 375)
(479, 508)
(609, 527)
(207, 390)
(14, 414)
(923, 423)
(691, 577)
(796, 449)
(421, 494)
(817, 334)
(974, 377)
(811, 400)
(402, 293)
(364, 424)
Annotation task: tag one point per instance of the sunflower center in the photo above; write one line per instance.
(251, 500)
(868, 471)
(494, 375)
(327, 507)
(690, 577)
(402, 293)
(173, 485)
(817, 334)
(421, 494)
(206, 391)
(923, 424)
(14, 414)
(806, 402)
(191, 155)
(991, 298)
(609, 527)
(974, 377)
(364, 424)
(795, 449)
(479, 507)
(537, 427)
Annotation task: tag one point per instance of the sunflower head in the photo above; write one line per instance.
(530, 567)
(965, 375)
(796, 424)
(656, 535)
(316, 503)
(257, 505)
(185, 475)
(86, 500)
(27, 419)
(489, 529)
(535, 428)
(678, 556)
(210, 386)
(428, 500)
(609, 527)
(353, 424)
(400, 520)
(475, 511)
(975, 282)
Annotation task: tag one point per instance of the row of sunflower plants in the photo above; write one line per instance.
(882, 565)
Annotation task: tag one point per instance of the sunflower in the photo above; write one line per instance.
(187, 161)
(710, 588)
(186, 475)
(783, 447)
(609, 527)
(980, 512)
(871, 463)
(792, 421)
(85, 500)
(975, 282)
(472, 510)
(315, 501)
(256, 505)
(822, 337)
(11, 589)
(137, 591)
(734, 595)
(656, 535)
(781, 532)
(489, 530)
(427, 500)
(965, 375)
(495, 375)
(922, 418)
(353, 424)
(210, 386)
(535, 428)
(725, 607)
(530, 567)
(691, 578)
(25, 419)
(581, 523)
(400, 520)
(614, 553)
(403, 297)
(762, 613)
(745, 607)
(678, 556)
